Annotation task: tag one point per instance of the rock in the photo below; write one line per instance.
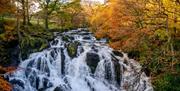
(117, 69)
(17, 82)
(32, 44)
(108, 72)
(117, 53)
(94, 48)
(147, 71)
(67, 38)
(58, 89)
(87, 38)
(72, 49)
(92, 60)
(47, 83)
(63, 62)
(9, 53)
(54, 42)
(134, 54)
(2, 28)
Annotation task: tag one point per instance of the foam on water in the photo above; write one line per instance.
(95, 67)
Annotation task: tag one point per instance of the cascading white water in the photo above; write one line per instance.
(93, 66)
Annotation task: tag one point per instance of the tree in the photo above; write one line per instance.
(6, 6)
(48, 7)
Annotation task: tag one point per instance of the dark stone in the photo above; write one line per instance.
(134, 54)
(92, 60)
(54, 42)
(89, 85)
(2, 28)
(85, 33)
(117, 69)
(31, 63)
(53, 54)
(87, 38)
(32, 78)
(108, 73)
(14, 56)
(9, 53)
(126, 62)
(37, 82)
(95, 49)
(39, 63)
(58, 89)
(81, 50)
(63, 62)
(146, 71)
(47, 83)
(117, 53)
(17, 82)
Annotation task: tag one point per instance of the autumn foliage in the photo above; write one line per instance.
(148, 30)
(7, 6)
(126, 22)
(4, 85)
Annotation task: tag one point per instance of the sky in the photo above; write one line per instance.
(35, 7)
(101, 1)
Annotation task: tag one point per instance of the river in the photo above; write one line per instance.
(77, 61)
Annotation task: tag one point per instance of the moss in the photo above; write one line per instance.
(30, 44)
(72, 49)
(167, 82)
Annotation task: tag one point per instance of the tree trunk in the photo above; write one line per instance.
(46, 22)
(18, 32)
(27, 12)
(24, 12)
(46, 17)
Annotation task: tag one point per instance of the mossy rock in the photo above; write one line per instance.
(72, 49)
(31, 44)
(67, 38)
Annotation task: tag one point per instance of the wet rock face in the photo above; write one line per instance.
(58, 89)
(17, 82)
(92, 60)
(117, 53)
(87, 38)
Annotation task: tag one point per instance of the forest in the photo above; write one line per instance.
(147, 30)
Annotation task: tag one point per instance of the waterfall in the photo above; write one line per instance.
(77, 61)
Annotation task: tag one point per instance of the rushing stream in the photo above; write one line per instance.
(76, 61)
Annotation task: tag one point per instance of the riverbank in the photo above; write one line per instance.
(14, 48)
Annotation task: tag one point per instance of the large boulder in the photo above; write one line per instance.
(30, 44)
(9, 53)
(92, 60)
(72, 49)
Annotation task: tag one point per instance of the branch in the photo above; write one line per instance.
(53, 7)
